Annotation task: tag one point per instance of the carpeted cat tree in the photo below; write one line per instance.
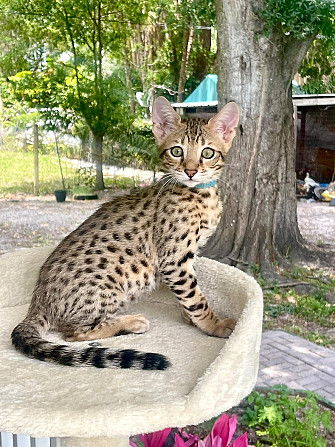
(208, 375)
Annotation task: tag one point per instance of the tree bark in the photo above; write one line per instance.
(187, 47)
(36, 164)
(259, 221)
(202, 56)
(97, 158)
(25, 142)
(129, 82)
(1, 122)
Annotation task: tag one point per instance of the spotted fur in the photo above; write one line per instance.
(126, 246)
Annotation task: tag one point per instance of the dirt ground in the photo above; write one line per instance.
(27, 221)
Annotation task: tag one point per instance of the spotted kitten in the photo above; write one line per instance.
(130, 242)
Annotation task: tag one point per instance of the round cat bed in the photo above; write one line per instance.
(208, 375)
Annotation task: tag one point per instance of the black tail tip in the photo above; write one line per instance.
(155, 361)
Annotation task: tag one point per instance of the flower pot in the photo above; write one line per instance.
(60, 195)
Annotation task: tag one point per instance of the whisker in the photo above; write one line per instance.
(175, 182)
(169, 178)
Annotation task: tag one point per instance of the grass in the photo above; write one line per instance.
(17, 175)
(120, 182)
(309, 315)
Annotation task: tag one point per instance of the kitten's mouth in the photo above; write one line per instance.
(192, 182)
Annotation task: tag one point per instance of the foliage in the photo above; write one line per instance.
(321, 282)
(300, 18)
(319, 66)
(122, 182)
(135, 147)
(307, 315)
(282, 420)
(255, 270)
(315, 309)
(69, 60)
(84, 178)
(308, 307)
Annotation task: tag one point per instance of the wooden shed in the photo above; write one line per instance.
(315, 136)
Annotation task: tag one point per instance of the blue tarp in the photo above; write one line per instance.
(206, 90)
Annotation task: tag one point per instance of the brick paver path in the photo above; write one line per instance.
(298, 363)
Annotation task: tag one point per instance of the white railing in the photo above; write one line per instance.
(11, 440)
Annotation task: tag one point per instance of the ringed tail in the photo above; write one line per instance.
(27, 339)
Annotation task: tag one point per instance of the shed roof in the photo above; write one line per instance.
(205, 95)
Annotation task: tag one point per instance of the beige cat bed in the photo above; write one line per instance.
(208, 375)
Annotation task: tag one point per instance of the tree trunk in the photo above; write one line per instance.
(1, 122)
(259, 221)
(187, 47)
(202, 55)
(25, 142)
(97, 158)
(129, 82)
(36, 164)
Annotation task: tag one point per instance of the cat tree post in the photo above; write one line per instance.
(100, 407)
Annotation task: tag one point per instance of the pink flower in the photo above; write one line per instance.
(224, 428)
(192, 440)
(155, 439)
(241, 441)
(220, 436)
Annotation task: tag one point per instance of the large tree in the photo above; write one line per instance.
(87, 32)
(261, 46)
(173, 51)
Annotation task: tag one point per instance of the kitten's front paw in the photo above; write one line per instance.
(186, 317)
(224, 328)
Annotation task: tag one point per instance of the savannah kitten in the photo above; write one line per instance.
(130, 242)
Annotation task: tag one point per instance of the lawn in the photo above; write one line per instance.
(308, 314)
(17, 173)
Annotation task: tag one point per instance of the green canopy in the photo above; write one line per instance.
(206, 90)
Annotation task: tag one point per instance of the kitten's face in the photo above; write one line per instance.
(193, 151)
(193, 154)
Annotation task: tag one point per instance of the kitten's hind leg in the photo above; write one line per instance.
(120, 325)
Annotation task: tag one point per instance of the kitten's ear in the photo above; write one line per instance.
(164, 118)
(225, 122)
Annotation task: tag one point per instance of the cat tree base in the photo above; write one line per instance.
(89, 406)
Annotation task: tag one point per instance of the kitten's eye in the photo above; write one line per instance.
(208, 153)
(176, 151)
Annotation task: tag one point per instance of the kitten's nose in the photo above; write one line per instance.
(190, 172)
